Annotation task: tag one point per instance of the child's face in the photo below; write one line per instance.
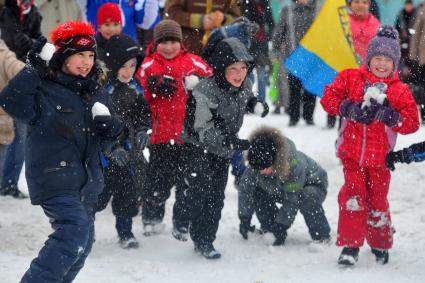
(109, 29)
(235, 74)
(381, 66)
(168, 49)
(79, 64)
(126, 72)
(360, 7)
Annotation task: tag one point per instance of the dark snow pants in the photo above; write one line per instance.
(298, 95)
(167, 168)
(64, 253)
(308, 201)
(121, 186)
(204, 200)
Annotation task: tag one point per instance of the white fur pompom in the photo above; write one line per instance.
(47, 51)
(190, 82)
(100, 109)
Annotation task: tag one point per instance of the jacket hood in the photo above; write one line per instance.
(281, 163)
(118, 50)
(227, 52)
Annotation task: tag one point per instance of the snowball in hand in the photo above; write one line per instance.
(47, 51)
(100, 109)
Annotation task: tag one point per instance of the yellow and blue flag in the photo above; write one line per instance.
(325, 49)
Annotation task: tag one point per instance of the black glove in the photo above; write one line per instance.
(245, 227)
(141, 139)
(164, 85)
(235, 143)
(250, 106)
(404, 156)
(120, 156)
(266, 109)
(105, 125)
(23, 42)
(279, 232)
(34, 60)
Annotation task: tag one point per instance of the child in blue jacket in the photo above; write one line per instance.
(57, 95)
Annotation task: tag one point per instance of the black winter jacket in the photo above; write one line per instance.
(128, 103)
(62, 150)
(11, 27)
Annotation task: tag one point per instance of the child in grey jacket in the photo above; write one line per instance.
(279, 173)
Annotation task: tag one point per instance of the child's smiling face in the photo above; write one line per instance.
(109, 29)
(169, 49)
(126, 72)
(79, 64)
(235, 74)
(360, 7)
(381, 66)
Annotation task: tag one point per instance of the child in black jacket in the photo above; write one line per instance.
(122, 164)
(415, 152)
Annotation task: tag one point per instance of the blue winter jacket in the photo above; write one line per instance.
(62, 150)
(141, 13)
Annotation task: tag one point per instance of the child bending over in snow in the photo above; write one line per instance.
(279, 173)
(59, 99)
(368, 132)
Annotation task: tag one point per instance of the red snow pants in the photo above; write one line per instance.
(363, 207)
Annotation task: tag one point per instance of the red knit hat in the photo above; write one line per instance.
(71, 38)
(109, 12)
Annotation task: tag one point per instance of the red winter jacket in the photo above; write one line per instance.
(362, 31)
(168, 113)
(369, 144)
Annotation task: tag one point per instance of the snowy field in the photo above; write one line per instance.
(24, 228)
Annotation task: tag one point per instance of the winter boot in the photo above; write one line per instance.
(324, 240)
(129, 243)
(124, 227)
(349, 256)
(12, 190)
(153, 229)
(279, 232)
(180, 234)
(382, 256)
(208, 251)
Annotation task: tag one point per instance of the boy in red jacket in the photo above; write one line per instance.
(167, 74)
(374, 106)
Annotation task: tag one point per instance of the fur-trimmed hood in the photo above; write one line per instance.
(281, 163)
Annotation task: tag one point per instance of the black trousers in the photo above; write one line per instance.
(204, 200)
(167, 168)
(298, 95)
(121, 186)
(309, 203)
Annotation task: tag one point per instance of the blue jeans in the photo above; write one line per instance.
(263, 80)
(64, 253)
(14, 159)
(238, 164)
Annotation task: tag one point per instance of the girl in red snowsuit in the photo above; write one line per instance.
(374, 106)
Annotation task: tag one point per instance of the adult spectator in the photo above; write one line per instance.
(295, 19)
(417, 51)
(55, 12)
(199, 17)
(258, 11)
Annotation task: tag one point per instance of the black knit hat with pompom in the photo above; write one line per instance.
(386, 42)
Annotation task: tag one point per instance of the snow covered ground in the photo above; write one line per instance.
(24, 228)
